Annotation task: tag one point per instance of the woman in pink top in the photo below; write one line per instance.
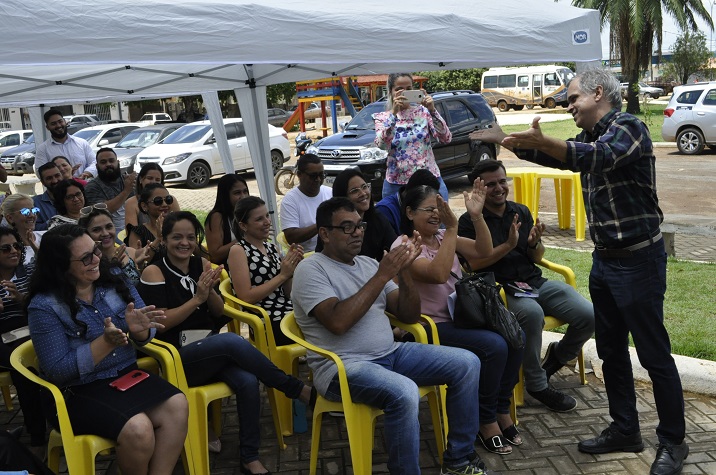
(404, 130)
(424, 211)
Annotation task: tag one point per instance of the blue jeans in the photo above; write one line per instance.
(559, 300)
(393, 188)
(628, 296)
(229, 358)
(391, 384)
(500, 366)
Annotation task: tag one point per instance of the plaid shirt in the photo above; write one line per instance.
(618, 172)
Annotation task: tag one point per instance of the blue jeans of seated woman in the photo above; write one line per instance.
(499, 370)
(229, 358)
(393, 188)
(391, 384)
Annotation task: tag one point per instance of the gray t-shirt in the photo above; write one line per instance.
(320, 278)
(100, 191)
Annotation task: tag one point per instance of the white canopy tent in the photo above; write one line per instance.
(96, 51)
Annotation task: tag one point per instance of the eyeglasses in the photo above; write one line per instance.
(427, 210)
(88, 209)
(350, 228)
(29, 211)
(359, 189)
(315, 176)
(158, 200)
(89, 257)
(74, 196)
(7, 248)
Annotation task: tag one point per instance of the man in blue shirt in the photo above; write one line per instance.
(615, 157)
(49, 176)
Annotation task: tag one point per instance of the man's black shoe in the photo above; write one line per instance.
(611, 440)
(550, 363)
(554, 400)
(669, 459)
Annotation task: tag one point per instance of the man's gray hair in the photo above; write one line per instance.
(591, 78)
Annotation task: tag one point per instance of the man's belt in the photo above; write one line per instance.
(609, 253)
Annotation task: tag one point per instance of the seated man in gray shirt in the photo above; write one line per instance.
(110, 187)
(339, 299)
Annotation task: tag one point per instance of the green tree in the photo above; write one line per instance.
(689, 55)
(280, 93)
(451, 80)
(636, 24)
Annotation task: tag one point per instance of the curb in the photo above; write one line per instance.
(697, 376)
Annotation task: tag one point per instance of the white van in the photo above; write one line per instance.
(13, 138)
(191, 155)
(520, 87)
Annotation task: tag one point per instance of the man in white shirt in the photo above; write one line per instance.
(78, 152)
(298, 208)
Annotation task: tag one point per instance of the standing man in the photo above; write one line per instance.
(615, 157)
(298, 207)
(77, 150)
(110, 187)
(517, 242)
(49, 176)
(340, 299)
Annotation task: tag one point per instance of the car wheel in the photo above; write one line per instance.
(285, 180)
(518, 108)
(530, 106)
(198, 175)
(655, 96)
(690, 141)
(550, 103)
(502, 106)
(276, 161)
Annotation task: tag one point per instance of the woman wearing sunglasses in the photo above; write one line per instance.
(149, 173)
(97, 221)
(155, 202)
(14, 281)
(81, 317)
(69, 199)
(21, 213)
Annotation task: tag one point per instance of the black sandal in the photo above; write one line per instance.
(494, 443)
(510, 434)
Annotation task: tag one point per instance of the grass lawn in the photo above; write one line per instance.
(651, 114)
(688, 308)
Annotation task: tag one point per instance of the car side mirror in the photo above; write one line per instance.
(211, 140)
(343, 126)
(103, 142)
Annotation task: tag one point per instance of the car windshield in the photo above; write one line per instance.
(364, 119)
(30, 139)
(88, 135)
(146, 117)
(188, 134)
(139, 138)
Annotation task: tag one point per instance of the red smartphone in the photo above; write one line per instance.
(128, 380)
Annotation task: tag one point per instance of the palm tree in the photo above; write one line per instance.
(635, 24)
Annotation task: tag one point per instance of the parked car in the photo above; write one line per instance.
(190, 154)
(19, 160)
(313, 111)
(137, 140)
(278, 117)
(690, 117)
(106, 135)
(154, 118)
(13, 138)
(464, 111)
(644, 90)
(5, 126)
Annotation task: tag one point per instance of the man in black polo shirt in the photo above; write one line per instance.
(518, 245)
(615, 157)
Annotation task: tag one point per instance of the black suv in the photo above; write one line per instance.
(464, 111)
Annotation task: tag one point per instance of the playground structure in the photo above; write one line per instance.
(353, 91)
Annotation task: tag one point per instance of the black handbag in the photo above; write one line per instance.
(478, 305)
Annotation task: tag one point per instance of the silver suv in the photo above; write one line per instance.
(690, 117)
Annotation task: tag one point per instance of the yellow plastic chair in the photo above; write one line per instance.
(5, 382)
(360, 418)
(122, 235)
(199, 398)
(284, 357)
(282, 242)
(550, 323)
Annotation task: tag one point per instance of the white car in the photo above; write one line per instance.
(190, 154)
(13, 138)
(154, 118)
(644, 90)
(690, 117)
(106, 135)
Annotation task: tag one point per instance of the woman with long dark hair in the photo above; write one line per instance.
(219, 234)
(81, 317)
(69, 199)
(148, 174)
(155, 202)
(182, 284)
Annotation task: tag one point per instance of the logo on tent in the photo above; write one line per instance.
(580, 37)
